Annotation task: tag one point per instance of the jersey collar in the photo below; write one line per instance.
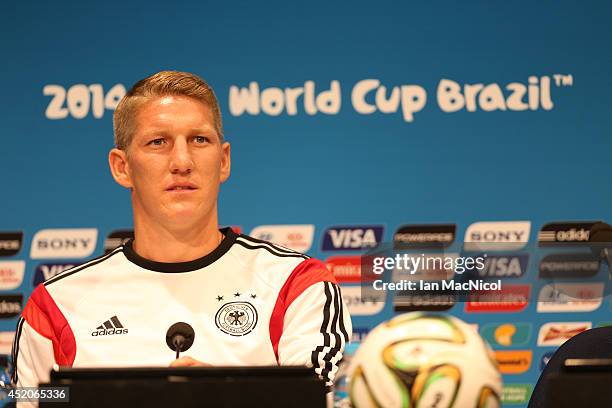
(177, 267)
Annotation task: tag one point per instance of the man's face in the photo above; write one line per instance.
(175, 163)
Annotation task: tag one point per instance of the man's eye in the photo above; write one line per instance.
(156, 142)
(200, 139)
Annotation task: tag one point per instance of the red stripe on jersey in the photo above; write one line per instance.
(306, 274)
(43, 315)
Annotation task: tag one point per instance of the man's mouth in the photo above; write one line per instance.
(181, 187)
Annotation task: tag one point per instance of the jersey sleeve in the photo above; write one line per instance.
(32, 356)
(315, 324)
(43, 339)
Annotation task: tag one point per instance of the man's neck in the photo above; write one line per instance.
(161, 244)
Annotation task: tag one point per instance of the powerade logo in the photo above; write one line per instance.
(64, 243)
(46, 271)
(565, 233)
(497, 236)
(506, 334)
(10, 243)
(545, 359)
(352, 238)
(10, 306)
(582, 265)
(504, 266)
(117, 238)
(424, 236)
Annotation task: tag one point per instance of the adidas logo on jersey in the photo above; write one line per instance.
(109, 327)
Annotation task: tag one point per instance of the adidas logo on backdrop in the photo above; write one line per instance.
(109, 327)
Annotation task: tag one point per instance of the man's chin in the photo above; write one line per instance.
(185, 217)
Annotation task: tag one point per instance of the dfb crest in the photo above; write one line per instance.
(236, 318)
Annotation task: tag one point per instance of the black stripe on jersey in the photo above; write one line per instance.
(314, 357)
(15, 350)
(333, 351)
(275, 246)
(270, 250)
(342, 328)
(93, 262)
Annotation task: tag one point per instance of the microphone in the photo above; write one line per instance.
(179, 337)
(600, 239)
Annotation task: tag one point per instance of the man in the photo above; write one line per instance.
(250, 302)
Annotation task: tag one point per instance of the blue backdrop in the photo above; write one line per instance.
(516, 162)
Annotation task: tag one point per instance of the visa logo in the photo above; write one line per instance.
(349, 238)
(505, 266)
(45, 272)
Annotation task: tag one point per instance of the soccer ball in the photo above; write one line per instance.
(424, 360)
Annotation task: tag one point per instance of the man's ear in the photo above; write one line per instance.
(119, 167)
(226, 161)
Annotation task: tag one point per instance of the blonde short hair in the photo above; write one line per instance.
(161, 84)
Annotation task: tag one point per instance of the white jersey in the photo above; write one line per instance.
(249, 302)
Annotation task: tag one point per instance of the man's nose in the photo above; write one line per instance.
(181, 161)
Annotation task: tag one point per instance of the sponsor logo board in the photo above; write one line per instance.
(565, 233)
(10, 306)
(510, 266)
(434, 302)
(346, 269)
(10, 243)
(424, 236)
(557, 333)
(516, 394)
(296, 237)
(11, 274)
(511, 298)
(582, 265)
(513, 361)
(46, 271)
(352, 237)
(497, 236)
(570, 297)
(506, 334)
(64, 243)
